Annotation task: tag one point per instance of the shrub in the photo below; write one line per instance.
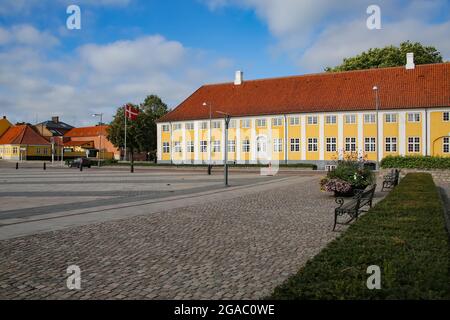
(404, 235)
(416, 162)
(348, 174)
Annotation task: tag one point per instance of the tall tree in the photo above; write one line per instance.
(152, 109)
(141, 133)
(389, 56)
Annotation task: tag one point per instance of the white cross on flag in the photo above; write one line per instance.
(131, 112)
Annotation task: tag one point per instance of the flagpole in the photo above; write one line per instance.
(125, 154)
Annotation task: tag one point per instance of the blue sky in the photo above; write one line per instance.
(127, 49)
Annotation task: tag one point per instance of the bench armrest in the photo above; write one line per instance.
(339, 201)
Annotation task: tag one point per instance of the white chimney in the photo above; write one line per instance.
(410, 61)
(238, 78)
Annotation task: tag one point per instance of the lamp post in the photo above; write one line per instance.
(209, 133)
(100, 136)
(227, 122)
(377, 107)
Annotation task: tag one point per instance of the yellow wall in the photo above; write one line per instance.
(4, 125)
(438, 129)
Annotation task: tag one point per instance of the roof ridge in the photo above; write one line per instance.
(325, 73)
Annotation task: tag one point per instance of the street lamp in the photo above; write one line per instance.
(377, 107)
(227, 122)
(100, 136)
(209, 132)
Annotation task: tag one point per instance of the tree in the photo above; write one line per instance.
(152, 109)
(389, 56)
(141, 133)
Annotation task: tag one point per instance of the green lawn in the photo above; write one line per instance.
(404, 235)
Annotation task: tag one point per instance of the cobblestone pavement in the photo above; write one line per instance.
(234, 249)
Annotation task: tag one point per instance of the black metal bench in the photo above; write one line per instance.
(390, 180)
(354, 206)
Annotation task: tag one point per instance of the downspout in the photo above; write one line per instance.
(170, 143)
(426, 132)
(285, 140)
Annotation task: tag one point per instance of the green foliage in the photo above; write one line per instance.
(404, 235)
(416, 162)
(353, 172)
(141, 133)
(389, 56)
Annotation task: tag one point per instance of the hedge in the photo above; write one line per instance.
(404, 235)
(416, 162)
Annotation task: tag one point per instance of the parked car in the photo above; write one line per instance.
(85, 162)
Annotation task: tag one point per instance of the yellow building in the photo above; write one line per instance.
(23, 143)
(315, 118)
(4, 125)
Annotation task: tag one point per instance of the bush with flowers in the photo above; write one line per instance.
(349, 175)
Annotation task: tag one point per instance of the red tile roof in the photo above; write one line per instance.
(87, 131)
(424, 86)
(23, 135)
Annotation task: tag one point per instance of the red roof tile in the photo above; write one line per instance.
(22, 135)
(87, 131)
(424, 86)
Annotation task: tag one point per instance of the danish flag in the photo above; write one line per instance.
(131, 112)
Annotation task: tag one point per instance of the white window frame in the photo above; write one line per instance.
(278, 145)
(413, 116)
(294, 121)
(390, 144)
(370, 144)
(204, 125)
(231, 146)
(189, 126)
(370, 118)
(413, 144)
(245, 123)
(232, 124)
(216, 124)
(350, 144)
(261, 123)
(312, 120)
(190, 146)
(446, 145)
(331, 119)
(246, 145)
(176, 126)
(165, 128)
(445, 116)
(390, 118)
(277, 122)
(350, 118)
(203, 146)
(177, 148)
(295, 144)
(166, 147)
(216, 146)
(331, 144)
(313, 145)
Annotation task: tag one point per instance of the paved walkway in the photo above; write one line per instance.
(239, 248)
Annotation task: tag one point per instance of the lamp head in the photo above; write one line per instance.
(375, 88)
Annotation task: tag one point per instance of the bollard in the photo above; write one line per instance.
(209, 169)
(132, 168)
(17, 165)
(45, 167)
(81, 167)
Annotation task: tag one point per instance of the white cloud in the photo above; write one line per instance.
(27, 35)
(100, 78)
(320, 33)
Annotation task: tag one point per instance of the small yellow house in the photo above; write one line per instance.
(4, 125)
(23, 143)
